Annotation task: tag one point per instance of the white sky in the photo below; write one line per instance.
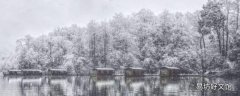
(35, 17)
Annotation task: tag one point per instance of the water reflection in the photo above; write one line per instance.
(113, 86)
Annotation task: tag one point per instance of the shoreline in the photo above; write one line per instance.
(122, 75)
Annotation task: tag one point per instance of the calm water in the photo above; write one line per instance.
(116, 86)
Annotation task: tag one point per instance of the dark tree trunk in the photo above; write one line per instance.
(105, 48)
(219, 40)
(227, 31)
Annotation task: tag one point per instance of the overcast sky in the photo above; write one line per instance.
(35, 17)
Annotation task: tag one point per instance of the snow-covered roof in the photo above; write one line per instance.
(170, 67)
(31, 70)
(136, 68)
(58, 69)
(104, 68)
(14, 70)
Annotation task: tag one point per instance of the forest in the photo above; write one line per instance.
(203, 41)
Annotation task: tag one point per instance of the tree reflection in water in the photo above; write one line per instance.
(113, 86)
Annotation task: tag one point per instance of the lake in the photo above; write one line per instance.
(118, 86)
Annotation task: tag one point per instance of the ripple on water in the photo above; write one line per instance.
(112, 86)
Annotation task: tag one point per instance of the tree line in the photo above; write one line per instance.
(205, 40)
